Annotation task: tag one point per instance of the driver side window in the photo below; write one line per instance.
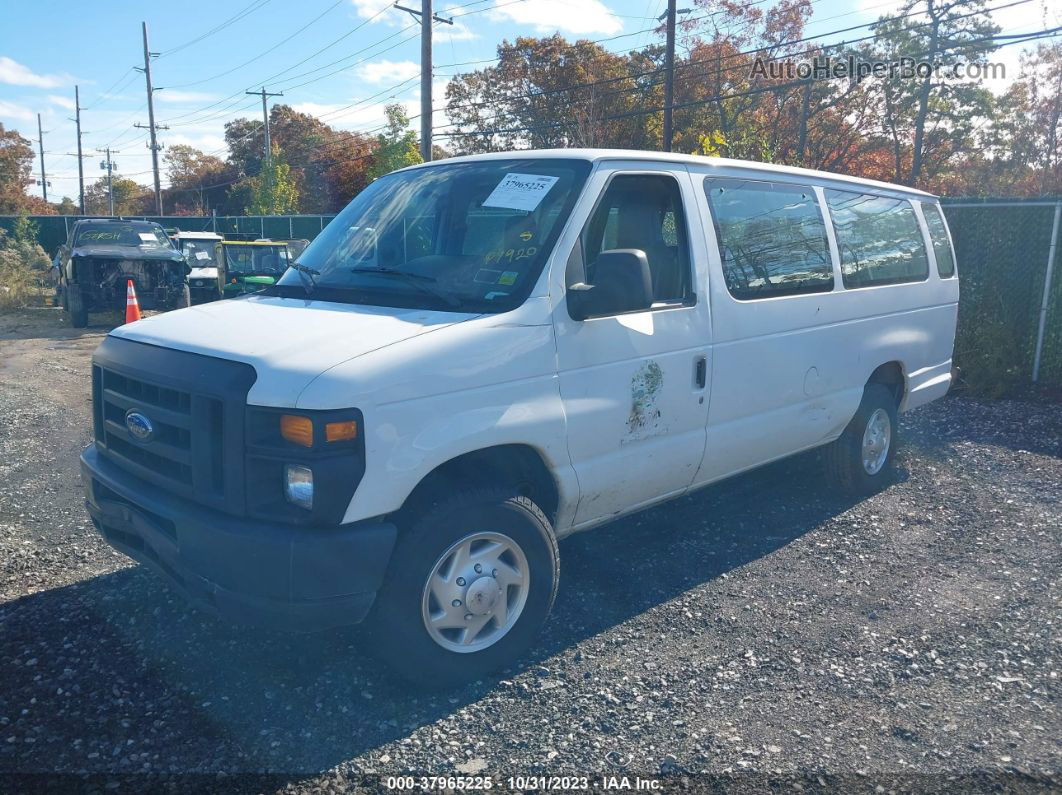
(643, 211)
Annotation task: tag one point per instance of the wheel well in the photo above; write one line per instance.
(891, 375)
(515, 465)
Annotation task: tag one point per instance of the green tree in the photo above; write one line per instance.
(273, 190)
(932, 120)
(198, 181)
(67, 206)
(130, 198)
(397, 147)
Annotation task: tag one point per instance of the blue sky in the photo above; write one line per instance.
(366, 59)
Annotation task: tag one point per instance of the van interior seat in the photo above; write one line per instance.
(640, 225)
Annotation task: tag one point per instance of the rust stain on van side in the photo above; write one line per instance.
(644, 419)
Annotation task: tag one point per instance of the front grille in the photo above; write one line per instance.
(187, 446)
(196, 408)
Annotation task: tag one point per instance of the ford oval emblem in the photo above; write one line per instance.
(139, 426)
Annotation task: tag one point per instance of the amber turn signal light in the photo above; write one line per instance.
(297, 429)
(341, 431)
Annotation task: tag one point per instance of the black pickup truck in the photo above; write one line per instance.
(102, 255)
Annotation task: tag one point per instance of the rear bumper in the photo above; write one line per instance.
(279, 575)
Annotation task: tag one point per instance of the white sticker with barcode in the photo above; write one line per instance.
(202, 255)
(520, 191)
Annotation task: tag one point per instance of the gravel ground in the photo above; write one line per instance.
(761, 629)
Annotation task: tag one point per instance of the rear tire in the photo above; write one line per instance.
(75, 304)
(858, 462)
(470, 583)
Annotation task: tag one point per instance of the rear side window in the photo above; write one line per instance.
(772, 238)
(878, 238)
(938, 236)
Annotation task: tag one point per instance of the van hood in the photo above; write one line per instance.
(288, 341)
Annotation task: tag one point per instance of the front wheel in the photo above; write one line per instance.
(470, 583)
(859, 461)
(75, 304)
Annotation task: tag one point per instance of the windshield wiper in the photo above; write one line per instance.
(416, 279)
(306, 276)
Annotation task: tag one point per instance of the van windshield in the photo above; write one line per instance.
(461, 236)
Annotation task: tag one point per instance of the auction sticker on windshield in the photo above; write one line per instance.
(520, 191)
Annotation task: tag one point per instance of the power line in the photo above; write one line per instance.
(254, 6)
(1016, 39)
(261, 54)
(719, 60)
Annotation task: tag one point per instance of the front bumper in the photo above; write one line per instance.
(279, 575)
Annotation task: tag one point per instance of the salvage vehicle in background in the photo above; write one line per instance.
(101, 255)
(247, 267)
(200, 250)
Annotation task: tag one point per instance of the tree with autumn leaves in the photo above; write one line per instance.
(952, 136)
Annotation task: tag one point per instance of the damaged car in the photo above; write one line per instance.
(102, 255)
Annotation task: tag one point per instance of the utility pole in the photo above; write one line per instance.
(108, 165)
(669, 84)
(268, 160)
(669, 68)
(151, 126)
(40, 145)
(426, 16)
(80, 166)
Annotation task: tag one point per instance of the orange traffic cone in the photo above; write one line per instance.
(132, 307)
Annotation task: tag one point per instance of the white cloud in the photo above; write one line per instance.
(172, 95)
(9, 110)
(388, 71)
(18, 75)
(545, 16)
(367, 9)
(62, 102)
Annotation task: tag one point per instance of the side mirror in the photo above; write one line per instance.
(622, 283)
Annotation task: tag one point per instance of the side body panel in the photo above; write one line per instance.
(788, 372)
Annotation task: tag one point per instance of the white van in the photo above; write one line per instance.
(480, 356)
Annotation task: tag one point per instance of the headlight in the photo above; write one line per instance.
(298, 485)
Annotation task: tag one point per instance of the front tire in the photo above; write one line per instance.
(471, 581)
(75, 303)
(859, 461)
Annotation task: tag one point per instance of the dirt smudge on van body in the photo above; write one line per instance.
(644, 419)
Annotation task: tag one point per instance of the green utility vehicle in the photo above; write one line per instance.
(245, 267)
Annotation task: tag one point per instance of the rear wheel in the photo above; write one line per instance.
(859, 461)
(75, 304)
(470, 582)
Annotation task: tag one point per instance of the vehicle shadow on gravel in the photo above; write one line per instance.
(126, 678)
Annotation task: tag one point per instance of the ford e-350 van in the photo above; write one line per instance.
(480, 356)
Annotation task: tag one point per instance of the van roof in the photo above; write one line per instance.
(726, 166)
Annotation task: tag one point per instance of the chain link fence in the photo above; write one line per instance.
(1010, 307)
(53, 229)
(1010, 312)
